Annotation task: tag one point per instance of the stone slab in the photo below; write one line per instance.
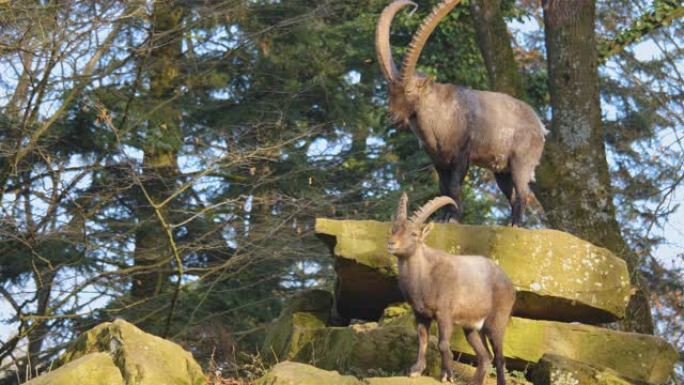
(557, 275)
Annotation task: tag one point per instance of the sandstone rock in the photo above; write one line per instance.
(293, 373)
(90, 369)
(636, 357)
(557, 370)
(141, 358)
(558, 276)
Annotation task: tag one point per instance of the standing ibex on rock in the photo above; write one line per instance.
(457, 125)
(471, 291)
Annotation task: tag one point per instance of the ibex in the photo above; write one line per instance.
(468, 290)
(456, 125)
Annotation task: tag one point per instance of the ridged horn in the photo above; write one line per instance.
(423, 213)
(418, 42)
(402, 208)
(382, 38)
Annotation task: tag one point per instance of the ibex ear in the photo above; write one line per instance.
(426, 230)
(425, 82)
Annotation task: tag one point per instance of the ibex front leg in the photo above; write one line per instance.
(423, 324)
(446, 326)
(450, 181)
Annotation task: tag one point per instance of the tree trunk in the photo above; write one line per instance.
(160, 145)
(495, 46)
(573, 177)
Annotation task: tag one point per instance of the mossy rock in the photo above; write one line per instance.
(142, 359)
(364, 350)
(636, 357)
(306, 311)
(90, 369)
(558, 370)
(557, 275)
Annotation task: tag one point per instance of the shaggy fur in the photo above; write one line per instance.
(458, 126)
(468, 290)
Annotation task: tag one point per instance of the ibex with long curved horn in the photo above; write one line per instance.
(456, 125)
(471, 291)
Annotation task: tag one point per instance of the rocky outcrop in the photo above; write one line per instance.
(557, 276)
(361, 349)
(390, 346)
(119, 353)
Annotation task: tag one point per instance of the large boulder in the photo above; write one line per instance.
(90, 369)
(635, 357)
(140, 358)
(558, 276)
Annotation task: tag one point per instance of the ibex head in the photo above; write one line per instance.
(405, 87)
(408, 233)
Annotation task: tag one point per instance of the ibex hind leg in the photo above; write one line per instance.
(483, 360)
(505, 183)
(521, 175)
(495, 333)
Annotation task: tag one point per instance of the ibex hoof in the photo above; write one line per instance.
(447, 378)
(414, 374)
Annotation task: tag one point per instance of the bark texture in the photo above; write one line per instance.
(573, 178)
(495, 46)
